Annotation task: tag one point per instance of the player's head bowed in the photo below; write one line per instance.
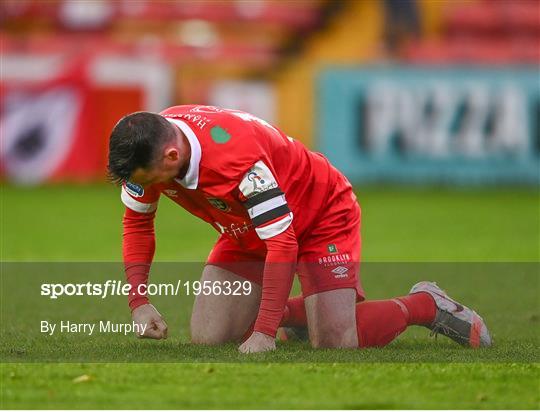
(137, 144)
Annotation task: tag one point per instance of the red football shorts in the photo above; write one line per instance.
(328, 256)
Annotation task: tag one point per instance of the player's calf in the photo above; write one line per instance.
(331, 319)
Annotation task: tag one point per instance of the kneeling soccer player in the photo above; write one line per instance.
(280, 209)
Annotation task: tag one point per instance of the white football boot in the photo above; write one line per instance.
(454, 320)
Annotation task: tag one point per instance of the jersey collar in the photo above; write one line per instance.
(191, 179)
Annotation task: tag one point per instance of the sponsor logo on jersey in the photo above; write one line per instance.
(340, 272)
(134, 189)
(219, 204)
(235, 230)
(334, 260)
(219, 135)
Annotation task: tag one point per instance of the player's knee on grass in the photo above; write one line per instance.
(202, 334)
(334, 336)
(223, 318)
(332, 319)
(213, 322)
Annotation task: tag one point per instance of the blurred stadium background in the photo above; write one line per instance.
(401, 91)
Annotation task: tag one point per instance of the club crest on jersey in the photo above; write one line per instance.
(219, 204)
(134, 189)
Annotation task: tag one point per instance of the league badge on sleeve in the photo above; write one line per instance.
(257, 180)
(134, 189)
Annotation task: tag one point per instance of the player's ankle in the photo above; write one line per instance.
(421, 308)
(286, 316)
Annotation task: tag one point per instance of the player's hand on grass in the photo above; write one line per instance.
(258, 342)
(147, 315)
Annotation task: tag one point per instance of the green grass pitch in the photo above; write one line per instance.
(480, 245)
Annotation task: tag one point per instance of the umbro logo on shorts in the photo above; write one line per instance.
(340, 272)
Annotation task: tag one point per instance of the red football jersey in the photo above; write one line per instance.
(246, 178)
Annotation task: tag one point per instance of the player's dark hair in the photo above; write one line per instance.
(135, 142)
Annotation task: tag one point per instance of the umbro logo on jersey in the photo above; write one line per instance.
(219, 204)
(340, 272)
(171, 192)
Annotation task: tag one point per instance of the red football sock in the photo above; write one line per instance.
(379, 322)
(420, 307)
(295, 313)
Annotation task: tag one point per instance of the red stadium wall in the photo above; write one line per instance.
(56, 128)
(115, 102)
